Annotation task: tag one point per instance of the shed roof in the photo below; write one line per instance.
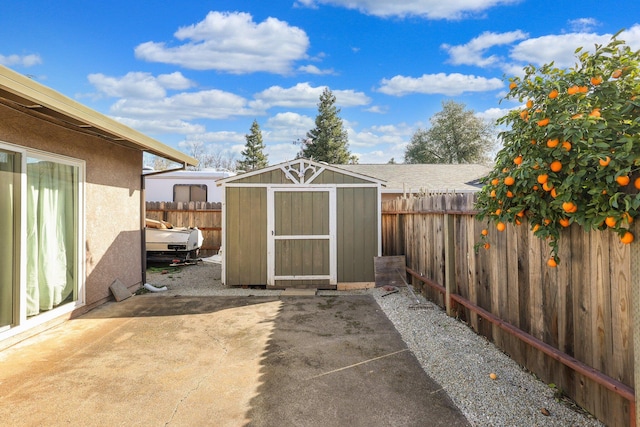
(402, 178)
(20, 92)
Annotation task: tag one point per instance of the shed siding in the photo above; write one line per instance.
(332, 177)
(358, 211)
(246, 236)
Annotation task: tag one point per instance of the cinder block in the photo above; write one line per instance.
(119, 290)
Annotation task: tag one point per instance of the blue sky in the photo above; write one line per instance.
(199, 72)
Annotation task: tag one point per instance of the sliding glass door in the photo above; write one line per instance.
(40, 219)
(9, 220)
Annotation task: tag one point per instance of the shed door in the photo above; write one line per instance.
(301, 241)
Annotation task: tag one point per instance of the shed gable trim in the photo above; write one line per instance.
(299, 172)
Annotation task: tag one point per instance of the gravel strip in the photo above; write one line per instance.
(447, 349)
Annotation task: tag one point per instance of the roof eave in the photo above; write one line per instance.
(32, 94)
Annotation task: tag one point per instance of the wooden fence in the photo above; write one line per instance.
(204, 215)
(581, 308)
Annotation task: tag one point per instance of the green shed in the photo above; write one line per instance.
(300, 224)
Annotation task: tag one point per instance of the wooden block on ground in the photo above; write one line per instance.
(295, 292)
(119, 290)
(352, 286)
(388, 270)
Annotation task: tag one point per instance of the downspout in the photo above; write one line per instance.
(143, 218)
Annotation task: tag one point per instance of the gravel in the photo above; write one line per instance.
(460, 360)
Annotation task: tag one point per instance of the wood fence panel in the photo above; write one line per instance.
(582, 307)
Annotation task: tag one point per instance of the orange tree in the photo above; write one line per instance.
(572, 153)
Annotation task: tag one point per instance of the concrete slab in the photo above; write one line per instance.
(224, 361)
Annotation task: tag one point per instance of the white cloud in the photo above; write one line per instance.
(21, 60)
(139, 84)
(561, 48)
(583, 25)
(473, 52)
(162, 126)
(492, 114)
(312, 69)
(210, 104)
(430, 9)
(303, 95)
(441, 83)
(287, 127)
(232, 42)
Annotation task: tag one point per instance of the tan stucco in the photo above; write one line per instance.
(112, 197)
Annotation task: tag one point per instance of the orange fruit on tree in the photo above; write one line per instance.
(501, 226)
(554, 193)
(518, 160)
(583, 89)
(513, 85)
(610, 221)
(495, 181)
(556, 166)
(543, 122)
(552, 143)
(553, 94)
(536, 188)
(573, 90)
(628, 217)
(595, 113)
(493, 193)
(524, 115)
(569, 207)
(605, 162)
(627, 237)
(535, 228)
(566, 145)
(529, 103)
(509, 180)
(487, 245)
(509, 194)
(533, 142)
(547, 187)
(623, 180)
(616, 74)
(577, 116)
(543, 178)
(636, 183)
(484, 232)
(497, 212)
(546, 221)
(596, 80)
(552, 262)
(564, 222)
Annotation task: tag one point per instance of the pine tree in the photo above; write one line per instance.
(328, 142)
(253, 156)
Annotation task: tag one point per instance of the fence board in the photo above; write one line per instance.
(581, 308)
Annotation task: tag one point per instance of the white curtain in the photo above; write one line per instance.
(50, 235)
(7, 228)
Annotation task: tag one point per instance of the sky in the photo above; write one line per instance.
(200, 72)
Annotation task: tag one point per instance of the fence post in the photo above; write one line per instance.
(449, 264)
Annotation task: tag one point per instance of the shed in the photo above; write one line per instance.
(71, 206)
(300, 224)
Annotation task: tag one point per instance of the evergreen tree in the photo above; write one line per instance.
(328, 142)
(253, 156)
(456, 136)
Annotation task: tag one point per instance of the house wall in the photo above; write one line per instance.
(112, 197)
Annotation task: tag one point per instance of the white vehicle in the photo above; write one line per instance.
(167, 243)
(184, 186)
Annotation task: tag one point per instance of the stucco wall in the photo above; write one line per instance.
(112, 197)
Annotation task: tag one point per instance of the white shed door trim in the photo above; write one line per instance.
(272, 237)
